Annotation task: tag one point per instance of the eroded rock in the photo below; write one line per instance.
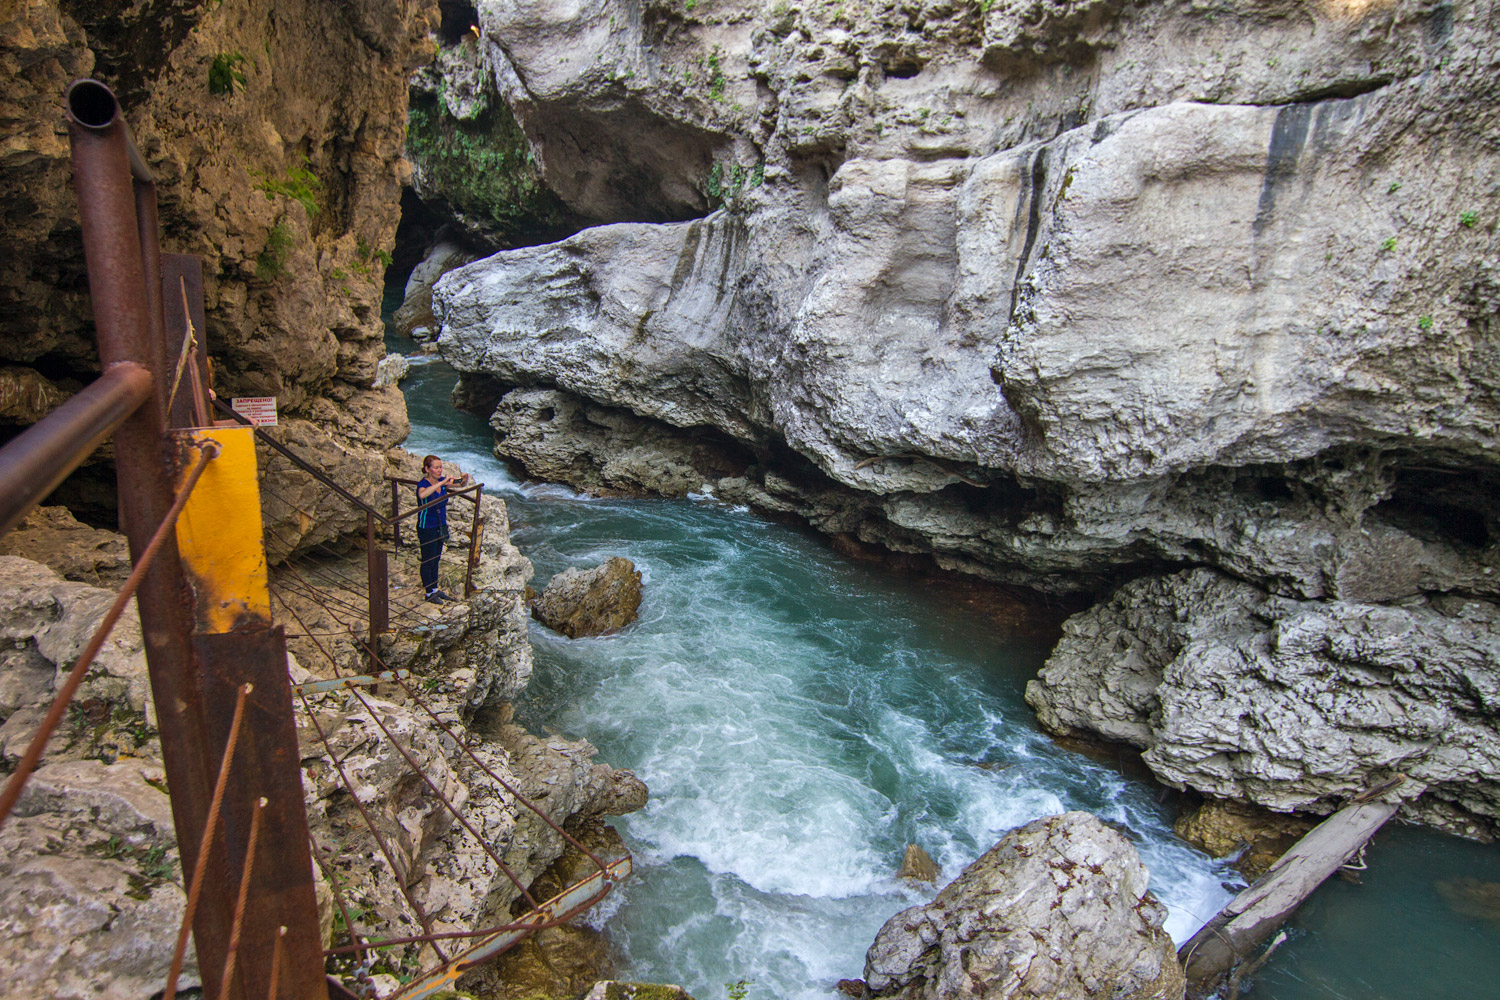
(1058, 908)
(591, 602)
(1294, 705)
(54, 537)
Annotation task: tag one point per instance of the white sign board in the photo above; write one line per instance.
(259, 410)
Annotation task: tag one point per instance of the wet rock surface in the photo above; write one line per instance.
(1058, 908)
(591, 602)
(1293, 705)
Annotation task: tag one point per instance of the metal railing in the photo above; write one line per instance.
(160, 472)
(220, 686)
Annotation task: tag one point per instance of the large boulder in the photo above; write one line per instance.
(591, 602)
(1057, 910)
(1294, 705)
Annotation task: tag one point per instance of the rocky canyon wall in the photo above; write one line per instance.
(1061, 292)
(276, 132)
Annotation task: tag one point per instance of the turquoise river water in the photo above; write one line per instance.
(801, 717)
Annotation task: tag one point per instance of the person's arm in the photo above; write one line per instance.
(423, 492)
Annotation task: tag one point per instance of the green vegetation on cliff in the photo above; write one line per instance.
(485, 170)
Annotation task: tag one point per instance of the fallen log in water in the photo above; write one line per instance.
(1254, 914)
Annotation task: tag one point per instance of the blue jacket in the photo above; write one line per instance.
(435, 518)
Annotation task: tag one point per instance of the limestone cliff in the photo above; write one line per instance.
(1061, 292)
(276, 133)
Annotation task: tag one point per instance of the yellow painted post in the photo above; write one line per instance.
(219, 534)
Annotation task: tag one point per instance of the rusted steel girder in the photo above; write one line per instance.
(112, 181)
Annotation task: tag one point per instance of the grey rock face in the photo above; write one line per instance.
(1209, 300)
(1057, 909)
(1295, 705)
(90, 909)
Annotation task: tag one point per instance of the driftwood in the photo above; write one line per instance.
(1254, 914)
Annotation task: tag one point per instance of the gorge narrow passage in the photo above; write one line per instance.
(800, 718)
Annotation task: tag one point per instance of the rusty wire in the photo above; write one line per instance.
(417, 770)
(244, 895)
(338, 764)
(463, 744)
(327, 602)
(200, 867)
(276, 961)
(518, 925)
(39, 741)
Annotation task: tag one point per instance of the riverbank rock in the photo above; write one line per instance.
(90, 893)
(917, 865)
(1293, 705)
(591, 602)
(1058, 908)
(1225, 828)
(413, 318)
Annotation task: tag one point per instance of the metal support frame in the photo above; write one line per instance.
(191, 676)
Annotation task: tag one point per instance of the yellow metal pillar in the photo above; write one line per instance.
(220, 535)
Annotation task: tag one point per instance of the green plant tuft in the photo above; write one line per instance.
(715, 75)
(300, 184)
(1388, 244)
(1425, 322)
(1468, 219)
(270, 264)
(224, 74)
(740, 989)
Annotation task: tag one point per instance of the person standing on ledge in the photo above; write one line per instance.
(432, 523)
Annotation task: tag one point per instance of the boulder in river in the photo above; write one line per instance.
(596, 601)
(918, 865)
(1058, 908)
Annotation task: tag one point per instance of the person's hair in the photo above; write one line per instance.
(427, 462)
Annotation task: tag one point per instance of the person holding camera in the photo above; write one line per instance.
(432, 522)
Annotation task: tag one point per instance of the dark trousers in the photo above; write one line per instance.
(431, 542)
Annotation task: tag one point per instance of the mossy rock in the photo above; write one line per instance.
(484, 169)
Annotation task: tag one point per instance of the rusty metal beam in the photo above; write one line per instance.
(267, 765)
(34, 462)
(182, 277)
(104, 162)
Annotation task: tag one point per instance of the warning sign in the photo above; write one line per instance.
(259, 410)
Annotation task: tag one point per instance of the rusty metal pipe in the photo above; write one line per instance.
(104, 162)
(93, 105)
(40, 457)
(147, 228)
